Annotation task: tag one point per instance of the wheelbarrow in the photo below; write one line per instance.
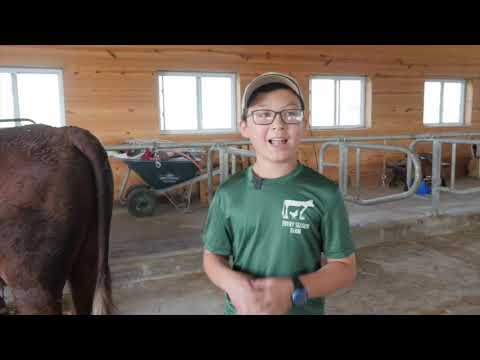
(160, 177)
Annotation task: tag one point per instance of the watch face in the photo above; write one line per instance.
(299, 297)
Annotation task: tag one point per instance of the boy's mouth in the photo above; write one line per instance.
(278, 141)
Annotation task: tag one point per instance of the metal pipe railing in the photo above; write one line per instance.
(437, 168)
(413, 147)
(18, 120)
(219, 146)
(386, 137)
(357, 172)
(223, 165)
(343, 171)
(224, 152)
(343, 168)
(210, 172)
(453, 163)
(472, 190)
(174, 145)
(234, 164)
(436, 174)
(321, 154)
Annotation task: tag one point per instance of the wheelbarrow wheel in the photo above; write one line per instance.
(124, 200)
(141, 202)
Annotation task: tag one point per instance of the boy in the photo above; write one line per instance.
(277, 217)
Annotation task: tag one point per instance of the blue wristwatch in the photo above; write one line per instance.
(299, 294)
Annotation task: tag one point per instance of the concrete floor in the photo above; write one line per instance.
(409, 261)
(434, 275)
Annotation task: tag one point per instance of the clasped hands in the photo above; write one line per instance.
(263, 296)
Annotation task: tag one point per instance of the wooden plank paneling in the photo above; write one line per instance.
(111, 89)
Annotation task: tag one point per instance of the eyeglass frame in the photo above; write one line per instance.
(275, 115)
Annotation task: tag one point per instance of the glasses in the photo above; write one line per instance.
(266, 117)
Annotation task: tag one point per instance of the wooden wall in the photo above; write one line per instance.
(111, 90)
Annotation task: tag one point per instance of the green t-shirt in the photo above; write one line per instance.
(279, 229)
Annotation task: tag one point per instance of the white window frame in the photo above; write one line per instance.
(462, 103)
(16, 102)
(363, 106)
(198, 75)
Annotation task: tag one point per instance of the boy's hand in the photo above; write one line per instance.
(276, 294)
(246, 299)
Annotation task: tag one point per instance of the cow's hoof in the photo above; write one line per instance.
(3, 307)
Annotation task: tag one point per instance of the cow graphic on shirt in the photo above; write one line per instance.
(295, 206)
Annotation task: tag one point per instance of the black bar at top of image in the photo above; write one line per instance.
(149, 34)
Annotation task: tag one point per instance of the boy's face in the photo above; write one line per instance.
(277, 142)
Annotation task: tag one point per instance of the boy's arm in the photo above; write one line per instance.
(336, 274)
(219, 272)
(236, 284)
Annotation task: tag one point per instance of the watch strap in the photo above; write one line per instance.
(297, 284)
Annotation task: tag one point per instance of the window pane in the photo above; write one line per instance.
(39, 98)
(323, 102)
(350, 102)
(452, 100)
(216, 102)
(6, 100)
(431, 102)
(180, 101)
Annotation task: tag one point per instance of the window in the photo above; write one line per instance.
(337, 101)
(35, 94)
(200, 102)
(444, 102)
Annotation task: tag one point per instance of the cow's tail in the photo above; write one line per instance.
(91, 148)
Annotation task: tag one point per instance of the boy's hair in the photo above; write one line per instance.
(264, 89)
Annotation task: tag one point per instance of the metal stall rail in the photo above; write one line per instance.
(224, 161)
(223, 169)
(224, 152)
(437, 166)
(18, 122)
(343, 170)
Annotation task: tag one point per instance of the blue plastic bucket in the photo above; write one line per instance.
(424, 189)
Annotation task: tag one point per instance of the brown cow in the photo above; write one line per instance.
(56, 198)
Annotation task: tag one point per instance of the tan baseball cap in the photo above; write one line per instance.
(270, 78)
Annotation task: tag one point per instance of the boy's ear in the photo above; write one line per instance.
(243, 128)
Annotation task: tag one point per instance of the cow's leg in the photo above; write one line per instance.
(84, 275)
(37, 279)
(39, 258)
(3, 305)
(37, 301)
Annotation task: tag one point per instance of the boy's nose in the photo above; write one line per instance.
(278, 122)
